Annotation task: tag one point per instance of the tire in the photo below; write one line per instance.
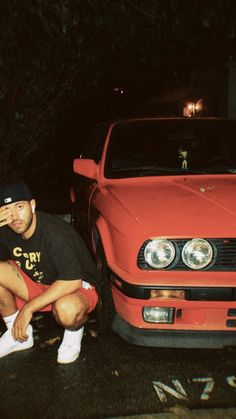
(105, 310)
(72, 216)
(74, 220)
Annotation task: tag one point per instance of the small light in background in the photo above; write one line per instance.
(193, 108)
(118, 90)
(199, 106)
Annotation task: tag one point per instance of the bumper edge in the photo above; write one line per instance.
(172, 338)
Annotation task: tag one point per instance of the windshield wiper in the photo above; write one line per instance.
(156, 169)
(220, 169)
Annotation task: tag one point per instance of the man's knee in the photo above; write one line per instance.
(70, 311)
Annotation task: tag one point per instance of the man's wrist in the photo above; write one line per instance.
(28, 308)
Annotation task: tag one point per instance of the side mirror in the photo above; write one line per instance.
(85, 167)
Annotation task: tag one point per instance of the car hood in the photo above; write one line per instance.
(184, 207)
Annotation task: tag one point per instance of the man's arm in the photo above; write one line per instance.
(57, 290)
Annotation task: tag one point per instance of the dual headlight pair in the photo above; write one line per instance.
(196, 253)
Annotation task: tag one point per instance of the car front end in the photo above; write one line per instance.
(162, 205)
(171, 273)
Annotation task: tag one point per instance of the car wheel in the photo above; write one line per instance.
(105, 310)
(74, 221)
(72, 216)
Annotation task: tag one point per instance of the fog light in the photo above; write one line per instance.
(158, 314)
(168, 294)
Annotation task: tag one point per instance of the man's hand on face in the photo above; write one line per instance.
(20, 325)
(5, 216)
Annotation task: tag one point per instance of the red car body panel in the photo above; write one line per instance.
(145, 209)
(128, 211)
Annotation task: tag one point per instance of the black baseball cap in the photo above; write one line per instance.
(13, 192)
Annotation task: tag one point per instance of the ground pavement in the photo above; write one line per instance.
(102, 383)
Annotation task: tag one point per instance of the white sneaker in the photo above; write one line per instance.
(70, 347)
(8, 344)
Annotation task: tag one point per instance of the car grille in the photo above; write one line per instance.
(224, 256)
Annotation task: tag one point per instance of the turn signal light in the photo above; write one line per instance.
(168, 294)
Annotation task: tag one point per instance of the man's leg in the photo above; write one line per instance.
(7, 302)
(71, 312)
(11, 284)
(12, 280)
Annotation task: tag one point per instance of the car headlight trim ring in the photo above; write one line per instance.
(197, 253)
(159, 253)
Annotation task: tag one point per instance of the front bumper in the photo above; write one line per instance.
(172, 338)
(195, 314)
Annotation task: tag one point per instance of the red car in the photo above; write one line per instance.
(155, 199)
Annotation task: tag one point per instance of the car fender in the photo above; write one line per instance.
(106, 239)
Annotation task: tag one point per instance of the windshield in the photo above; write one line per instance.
(167, 147)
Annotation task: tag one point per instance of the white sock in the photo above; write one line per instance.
(73, 337)
(9, 320)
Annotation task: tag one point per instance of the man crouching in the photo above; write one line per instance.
(48, 268)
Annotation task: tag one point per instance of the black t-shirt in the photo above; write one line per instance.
(54, 252)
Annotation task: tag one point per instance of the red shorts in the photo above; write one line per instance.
(35, 289)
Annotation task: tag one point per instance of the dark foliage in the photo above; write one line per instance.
(61, 59)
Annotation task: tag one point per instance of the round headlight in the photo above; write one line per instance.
(159, 253)
(197, 253)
